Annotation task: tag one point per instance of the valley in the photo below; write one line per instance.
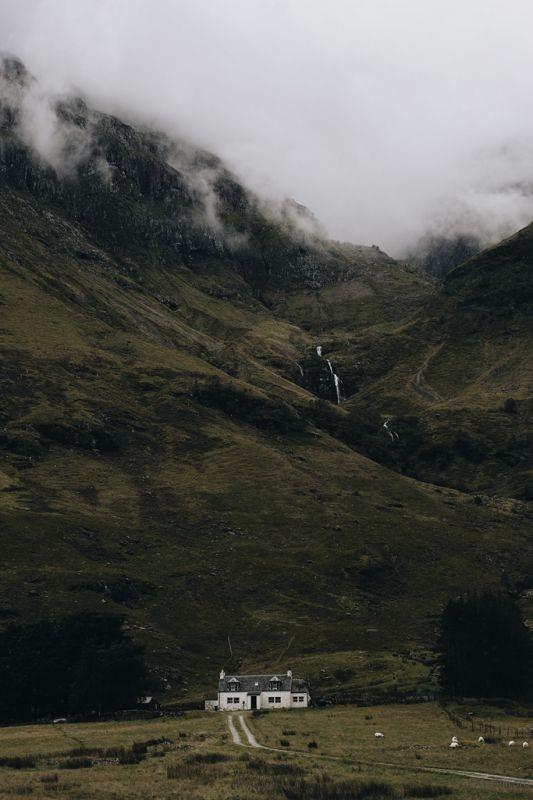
(172, 447)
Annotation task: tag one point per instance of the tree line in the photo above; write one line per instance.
(485, 648)
(84, 663)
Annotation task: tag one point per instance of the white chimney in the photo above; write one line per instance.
(222, 674)
(289, 673)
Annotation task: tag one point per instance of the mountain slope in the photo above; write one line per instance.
(160, 453)
(461, 381)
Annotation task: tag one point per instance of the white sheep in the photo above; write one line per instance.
(512, 743)
(481, 740)
(524, 745)
(379, 735)
(454, 744)
(455, 739)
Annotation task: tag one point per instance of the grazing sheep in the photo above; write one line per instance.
(454, 744)
(481, 740)
(379, 735)
(512, 743)
(524, 745)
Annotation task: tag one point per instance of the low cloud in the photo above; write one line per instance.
(386, 119)
(41, 119)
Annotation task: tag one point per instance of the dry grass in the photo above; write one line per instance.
(193, 758)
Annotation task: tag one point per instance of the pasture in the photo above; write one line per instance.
(194, 757)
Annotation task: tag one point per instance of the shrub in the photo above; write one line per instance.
(289, 733)
(83, 751)
(325, 789)
(193, 771)
(427, 791)
(76, 763)
(52, 777)
(258, 765)
(174, 772)
(375, 789)
(207, 758)
(130, 755)
(312, 745)
(18, 762)
(134, 754)
(284, 743)
(510, 406)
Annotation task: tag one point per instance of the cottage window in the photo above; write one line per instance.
(270, 699)
(278, 699)
(275, 686)
(230, 699)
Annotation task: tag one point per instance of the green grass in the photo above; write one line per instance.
(463, 353)
(193, 757)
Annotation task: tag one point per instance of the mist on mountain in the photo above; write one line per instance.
(388, 120)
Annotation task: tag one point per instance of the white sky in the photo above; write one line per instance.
(384, 117)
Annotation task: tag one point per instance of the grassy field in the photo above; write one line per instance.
(193, 757)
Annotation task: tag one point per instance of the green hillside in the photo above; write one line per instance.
(162, 450)
(458, 377)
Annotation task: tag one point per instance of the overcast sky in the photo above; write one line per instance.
(384, 117)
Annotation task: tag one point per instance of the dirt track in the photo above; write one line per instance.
(480, 776)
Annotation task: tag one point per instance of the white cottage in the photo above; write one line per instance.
(242, 692)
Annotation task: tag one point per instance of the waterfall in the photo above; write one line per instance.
(393, 435)
(337, 381)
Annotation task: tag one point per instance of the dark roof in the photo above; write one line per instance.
(256, 683)
(299, 685)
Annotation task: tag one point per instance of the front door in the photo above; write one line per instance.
(253, 702)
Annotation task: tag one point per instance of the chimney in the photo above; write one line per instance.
(222, 674)
(289, 673)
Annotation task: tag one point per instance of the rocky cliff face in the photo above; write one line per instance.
(157, 200)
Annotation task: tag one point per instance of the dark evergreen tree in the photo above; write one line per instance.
(82, 663)
(485, 648)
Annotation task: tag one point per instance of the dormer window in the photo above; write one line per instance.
(275, 684)
(233, 685)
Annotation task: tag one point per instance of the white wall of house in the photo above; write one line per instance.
(233, 701)
(237, 701)
(273, 700)
(299, 699)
